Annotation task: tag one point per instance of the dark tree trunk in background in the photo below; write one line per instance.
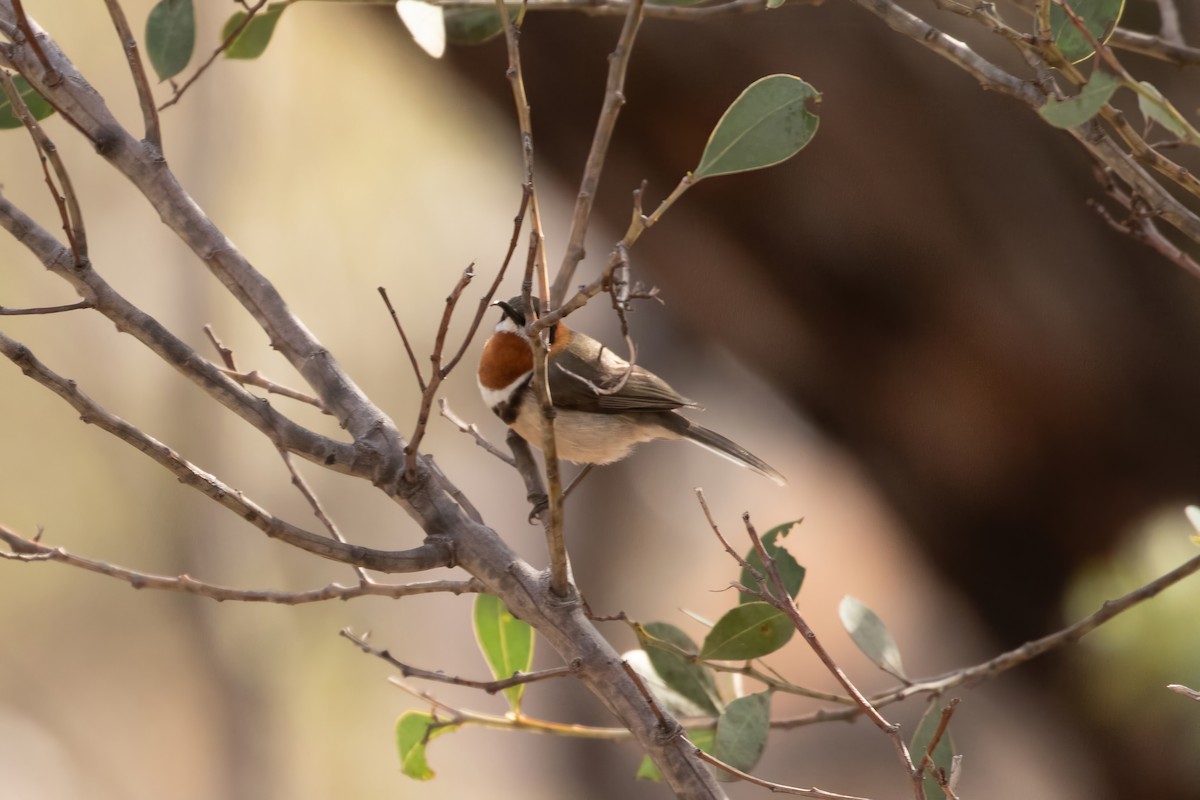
(925, 282)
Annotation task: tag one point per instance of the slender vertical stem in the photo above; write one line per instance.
(614, 99)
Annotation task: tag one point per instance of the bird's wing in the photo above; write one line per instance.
(641, 391)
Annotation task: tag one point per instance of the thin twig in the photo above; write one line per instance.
(927, 762)
(614, 99)
(779, 598)
(456, 716)
(1155, 47)
(437, 374)
(52, 75)
(779, 788)
(318, 510)
(225, 352)
(412, 356)
(491, 687)
(30, 550)
(138, 71)
(1169, 28)
(429, 555)
(473, 430)
(228, 40)
(66, 201)
(22, 312)
(256, 378)
(485, 302)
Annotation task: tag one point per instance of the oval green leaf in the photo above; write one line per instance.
(170, 36)
(1100, 17)
(37, 105)
(1155, 107)
(871, 635)
(1083, 106)
(414, 730)
(505, 641)
(747, 631)
(791, 571)
(471, 26)
(742, 731)
(253, 40)
(768, 123)
(943, 753)
(666, 646)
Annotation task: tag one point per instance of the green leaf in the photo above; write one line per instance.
(470, 26)
(1083, 106)
(768, 123)
(871, 635)
(747, 631)
(1100, 17)
(506, 643)
(943, 754)
(664, 643)
(253, 40)
(170, 36)
(774, 3)
(1155, 107)
(742, 731)
(37, 105)
(414, 730)
(704, 738)
(791, 572)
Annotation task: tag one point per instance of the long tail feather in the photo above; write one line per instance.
(715, 442)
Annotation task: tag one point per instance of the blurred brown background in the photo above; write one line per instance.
(983, 398)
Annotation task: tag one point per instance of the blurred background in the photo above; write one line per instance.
(983, 398)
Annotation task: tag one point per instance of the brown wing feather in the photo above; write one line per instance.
(643, 391)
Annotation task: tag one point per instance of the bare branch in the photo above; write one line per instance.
(318, 510)
(425, 557)
(1155, 47)
(437, 374)
(412, 356)
(473, 430)
(614, 99)
(25, 549)
(138, 71)
(23, 312)
(66, 201)
(491, 687)
(774, 787)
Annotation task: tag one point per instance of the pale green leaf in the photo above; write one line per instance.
(1155, 107)
(253, 40)
(666, 646)
(742, 731)
(871, 635)
(747, 631)
(769, 122)
(505, 641)
(414, 730)
(1083, 106)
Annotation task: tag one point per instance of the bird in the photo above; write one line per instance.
(603, 405)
